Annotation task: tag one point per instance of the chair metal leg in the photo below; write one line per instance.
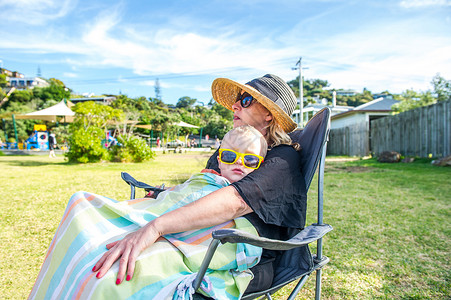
(318, 285)
(298, 287)
(319, 248)
(132, 192)
(203, 267)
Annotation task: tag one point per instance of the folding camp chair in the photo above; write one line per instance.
(296, 262)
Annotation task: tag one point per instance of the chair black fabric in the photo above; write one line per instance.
(312, 138)
(297, 262)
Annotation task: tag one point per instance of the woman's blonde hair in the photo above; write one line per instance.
(276, 136)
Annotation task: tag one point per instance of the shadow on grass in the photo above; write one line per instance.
(419, 164)
(34, 163)
(341, 168)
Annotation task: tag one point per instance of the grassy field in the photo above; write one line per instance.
(391, 237)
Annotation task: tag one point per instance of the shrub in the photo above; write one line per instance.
(88, 130)
(85, 145)
(131, 149)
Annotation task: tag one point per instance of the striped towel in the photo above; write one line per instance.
(165, 270)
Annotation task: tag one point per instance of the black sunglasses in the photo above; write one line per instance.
(245, 100)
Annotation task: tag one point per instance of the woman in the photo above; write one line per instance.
(168, 268)
(273, 198)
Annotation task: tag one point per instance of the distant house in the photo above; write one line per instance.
(382, 95)
(364, 113)
(26, 82)
(11, 73)
(17, 80)
(101, 100)
(350, 132)
(311, 109)
(346, 93)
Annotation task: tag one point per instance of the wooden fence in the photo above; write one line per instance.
(421, 132)
(352, 140)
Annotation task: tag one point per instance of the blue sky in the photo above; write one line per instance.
(123, 46)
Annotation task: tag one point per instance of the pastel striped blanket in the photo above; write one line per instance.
(165, 270)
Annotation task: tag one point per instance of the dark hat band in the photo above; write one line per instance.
(275, 89)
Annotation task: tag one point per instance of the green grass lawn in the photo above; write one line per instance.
(391, 237)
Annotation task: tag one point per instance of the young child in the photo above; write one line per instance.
(242, 151)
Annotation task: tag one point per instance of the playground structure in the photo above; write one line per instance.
(39, 139)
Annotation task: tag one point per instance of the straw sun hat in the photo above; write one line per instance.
(270, 91)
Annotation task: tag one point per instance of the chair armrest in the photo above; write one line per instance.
(306, 236)
(133, 182)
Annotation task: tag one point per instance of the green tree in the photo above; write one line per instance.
(157, 102)
(185, 102)
(20, 96)
(138, 105)
(88, 130)
(222, 111)
(3, 81)
(442, 88)
(355, 100)
(310, 86)
(56, 92)
(131, 149)
(410, 99)
(23, 127)
(218, 127)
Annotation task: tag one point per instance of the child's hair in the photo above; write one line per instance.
(246, 134)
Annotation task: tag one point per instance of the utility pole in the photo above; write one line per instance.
(300, 117)
(300, 120)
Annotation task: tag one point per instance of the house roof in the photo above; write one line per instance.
(317, 107)
(377, 105)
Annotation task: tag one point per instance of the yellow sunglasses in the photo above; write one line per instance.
(249, 160)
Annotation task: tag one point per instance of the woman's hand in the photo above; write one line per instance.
(216, 208)
(126, 250)
(152, 194)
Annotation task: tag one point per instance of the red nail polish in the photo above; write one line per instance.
(94, 269)
(118, 281)
(98, 275)
(129, 277)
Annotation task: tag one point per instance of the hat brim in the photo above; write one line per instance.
(225, 92)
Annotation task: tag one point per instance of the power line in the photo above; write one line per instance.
(174, 75)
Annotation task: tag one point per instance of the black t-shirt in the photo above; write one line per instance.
(276, 193)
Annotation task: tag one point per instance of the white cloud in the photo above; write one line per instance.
(392, 55)
(35, 12)
(424, 3)
(147, 82)
(70, 75)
